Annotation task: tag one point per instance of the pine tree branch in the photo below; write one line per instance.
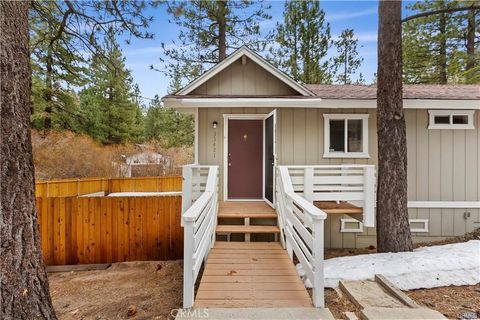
(434, 12)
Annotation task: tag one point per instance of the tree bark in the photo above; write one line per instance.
(470, 44)
(222, 30)
(24, 292)
(393, 230)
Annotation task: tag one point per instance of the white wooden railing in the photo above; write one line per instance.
(199, 218)
(302, 226)
(351, 183)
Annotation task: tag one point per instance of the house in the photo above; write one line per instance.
(335, 124)
(143, 163)
(268, 139)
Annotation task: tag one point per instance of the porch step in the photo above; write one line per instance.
(242, 215)
(247, 229)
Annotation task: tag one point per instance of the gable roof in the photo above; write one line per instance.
(410, 91)
(245, 51)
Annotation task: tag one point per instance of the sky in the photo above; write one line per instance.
(361, 16)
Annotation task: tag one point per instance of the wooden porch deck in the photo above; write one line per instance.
(250, 274)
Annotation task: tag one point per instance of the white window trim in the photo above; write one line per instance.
(425, 225)
(342, 116)
(450, 113)
(344, 229)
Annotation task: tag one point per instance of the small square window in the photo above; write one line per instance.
(463, 119)
(442, 119)
(451, 119)
(346, 136)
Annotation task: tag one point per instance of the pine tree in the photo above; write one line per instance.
(109, 103)
(393, 230)
(171, 128)
(24, 286)
(440, 48)
(55, 68)
(347, 61)
(302, 42)
(209, 30)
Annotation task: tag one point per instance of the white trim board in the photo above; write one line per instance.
(245, 51)
(195, 140)
(345, 229)
(315, 102)
(425, 225)
(444, 204)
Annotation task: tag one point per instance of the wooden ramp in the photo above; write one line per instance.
(250, 274)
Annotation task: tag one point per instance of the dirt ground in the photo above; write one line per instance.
(146, 290)
(151, 290)
(337, 303)
(452, 302)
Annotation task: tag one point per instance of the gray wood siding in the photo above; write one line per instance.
(443, 165)
(248, 79)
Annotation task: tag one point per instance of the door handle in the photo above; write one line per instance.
(229, 164)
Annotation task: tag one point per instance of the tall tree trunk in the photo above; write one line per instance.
(470, 44)
(222, 30)
(393, 230)
(24, 290)
(442, 46)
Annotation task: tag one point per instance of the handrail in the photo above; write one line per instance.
(199, 221)
(353, 183)
(303, 226)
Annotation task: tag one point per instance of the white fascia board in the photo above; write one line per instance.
(254, 57)
(250, 102)
(316, 103)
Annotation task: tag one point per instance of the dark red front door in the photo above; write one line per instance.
(245, 159)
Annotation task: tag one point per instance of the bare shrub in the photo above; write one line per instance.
(61, 155)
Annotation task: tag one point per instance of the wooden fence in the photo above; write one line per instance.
(81, 230)
(77, 187)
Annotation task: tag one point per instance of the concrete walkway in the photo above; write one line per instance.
(380, 299)
(255, 314)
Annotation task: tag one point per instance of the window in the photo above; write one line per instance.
(346, 136)
(451, 119)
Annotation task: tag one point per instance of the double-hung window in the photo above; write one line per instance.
(346, 136)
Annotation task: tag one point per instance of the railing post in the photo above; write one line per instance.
(188, 251)
(369, 196)
(186, 188)
(308, 184)
(317, 252)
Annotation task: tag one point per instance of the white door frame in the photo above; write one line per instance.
(227, 117)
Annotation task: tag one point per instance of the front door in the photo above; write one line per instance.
(245, 159)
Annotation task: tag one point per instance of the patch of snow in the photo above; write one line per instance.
(425, 267)
(144, 194)
(303, 275)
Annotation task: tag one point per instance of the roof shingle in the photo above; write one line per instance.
(415, 91)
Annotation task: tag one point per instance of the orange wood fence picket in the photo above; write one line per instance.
(82, 230)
